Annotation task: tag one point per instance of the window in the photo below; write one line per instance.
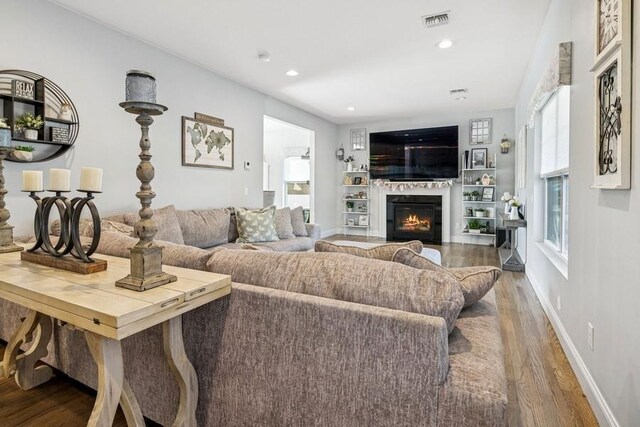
(554, 169)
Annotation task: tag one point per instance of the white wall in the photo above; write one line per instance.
(604, 237)
(89, 62)
(503, 123)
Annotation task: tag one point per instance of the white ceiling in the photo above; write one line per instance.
(374, 55)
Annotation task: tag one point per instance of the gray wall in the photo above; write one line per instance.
(604, 238)
(503, 123)
(89, 62)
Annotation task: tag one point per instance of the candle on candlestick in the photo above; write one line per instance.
(91, 180)
(59, 180)
(32, 181)
(140, 86)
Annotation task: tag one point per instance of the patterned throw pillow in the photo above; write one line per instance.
(475, 282)
(256, 225)
(383, 252)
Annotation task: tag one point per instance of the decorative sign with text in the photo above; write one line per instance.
(22, 89)
(60, 135)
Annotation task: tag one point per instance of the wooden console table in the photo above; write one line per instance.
(107, 315)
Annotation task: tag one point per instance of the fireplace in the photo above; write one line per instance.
(414, 218)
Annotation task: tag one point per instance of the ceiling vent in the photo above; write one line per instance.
(436, 20)
(458, 92)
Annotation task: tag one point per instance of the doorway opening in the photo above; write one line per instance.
(288, 166)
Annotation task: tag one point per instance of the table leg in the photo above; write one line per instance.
(27, 375)
(183, 371)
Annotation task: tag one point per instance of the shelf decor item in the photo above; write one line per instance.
(5, 133)
(44, 251)
(479, 158)
(515, 204)
(23, 153)
(65, 113)
(6, 230)
(30, 124)
(349, 163)
(480, 131)
(505, 145)
(146, 255)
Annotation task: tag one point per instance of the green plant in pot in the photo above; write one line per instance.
(474, 226)
(466, 196)
(475, 195)
(23, 153)
(30, 125)
(5, 133)
(350, 204)
(479, 213)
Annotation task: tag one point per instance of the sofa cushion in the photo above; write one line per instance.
(284, 228)
(383, 252)
(118, 244)
(474, 281)
(297, 221)
(346, 278)
(256, 225)
(298, 244)
(167, 222)
(204, 228)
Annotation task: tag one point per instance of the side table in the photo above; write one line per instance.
(513, 261)
(107, 314)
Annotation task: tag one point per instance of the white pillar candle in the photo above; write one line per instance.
(32, 181)
(59, 180)
(90, 179)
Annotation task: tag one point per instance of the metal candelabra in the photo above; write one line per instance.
(6, 230)
(70, 212)
(146, 256)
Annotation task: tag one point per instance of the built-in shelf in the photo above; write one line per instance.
(349, 202)
(488, 223)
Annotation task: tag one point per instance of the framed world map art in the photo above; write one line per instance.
(612, 95)
(206, 143)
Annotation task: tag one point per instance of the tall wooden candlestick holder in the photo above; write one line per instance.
(146, 256)
(6, 230)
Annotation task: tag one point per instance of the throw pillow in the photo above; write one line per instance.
(167, 222)
(297, 222)
(284, 228)
(345, 278)
(256, 225)
(204, 228)
(115, 227)
(383, 252)
(475, 282)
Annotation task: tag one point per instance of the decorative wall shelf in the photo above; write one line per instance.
(47, 102)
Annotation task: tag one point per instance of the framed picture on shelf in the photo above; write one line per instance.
(363, 220)
(487, 194)
(479, 158)
(357, 180)
(206, 145)
(351, 221)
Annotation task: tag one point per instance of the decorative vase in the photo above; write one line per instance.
(24, 156)
(479, 214)
(507, 208)
(5, 137)
(514, 213)
(30, 134)
(65, 112)
(349, 167)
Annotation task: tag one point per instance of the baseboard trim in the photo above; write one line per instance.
(327, 233)
(597, 401)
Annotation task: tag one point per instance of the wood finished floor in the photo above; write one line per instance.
(542, 388)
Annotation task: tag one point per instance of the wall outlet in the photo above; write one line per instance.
(590, 335)
(558, 304)
(246, 191)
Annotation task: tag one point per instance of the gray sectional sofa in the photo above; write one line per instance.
(318, 339)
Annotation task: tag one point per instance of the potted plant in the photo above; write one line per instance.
(30, 125)
(506, 197)
(515, 204)
(479, 213)
(475, 195)
(5, 134)
(23, 152)
(505, 144)
(466, 196)
(350, 205)
(349, 162)
(474, 226)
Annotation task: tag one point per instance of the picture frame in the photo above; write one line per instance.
(358, 139)
(357, 180)
(480, 131)
(363, 220)
(207, 145)
(487, 194)
(612, 28)
(479, 158)
(612, 113)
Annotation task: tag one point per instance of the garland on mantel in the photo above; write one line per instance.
(401, 186)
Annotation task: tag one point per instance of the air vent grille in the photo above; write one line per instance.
(455, 92)
(436, 20)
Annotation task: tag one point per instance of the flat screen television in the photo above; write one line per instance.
(414, 154)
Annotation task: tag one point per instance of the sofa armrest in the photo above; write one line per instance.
(314, 231)
(312, 360)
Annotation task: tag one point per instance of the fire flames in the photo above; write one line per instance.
(415, 223)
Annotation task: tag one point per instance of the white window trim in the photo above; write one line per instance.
(556, 258)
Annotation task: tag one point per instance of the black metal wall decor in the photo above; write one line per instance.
(24, 92)
(70, 211)
(610, 106)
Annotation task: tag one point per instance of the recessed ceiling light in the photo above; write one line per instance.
(445, 44)
(292, 73)
(461, 98)
(351, 108)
